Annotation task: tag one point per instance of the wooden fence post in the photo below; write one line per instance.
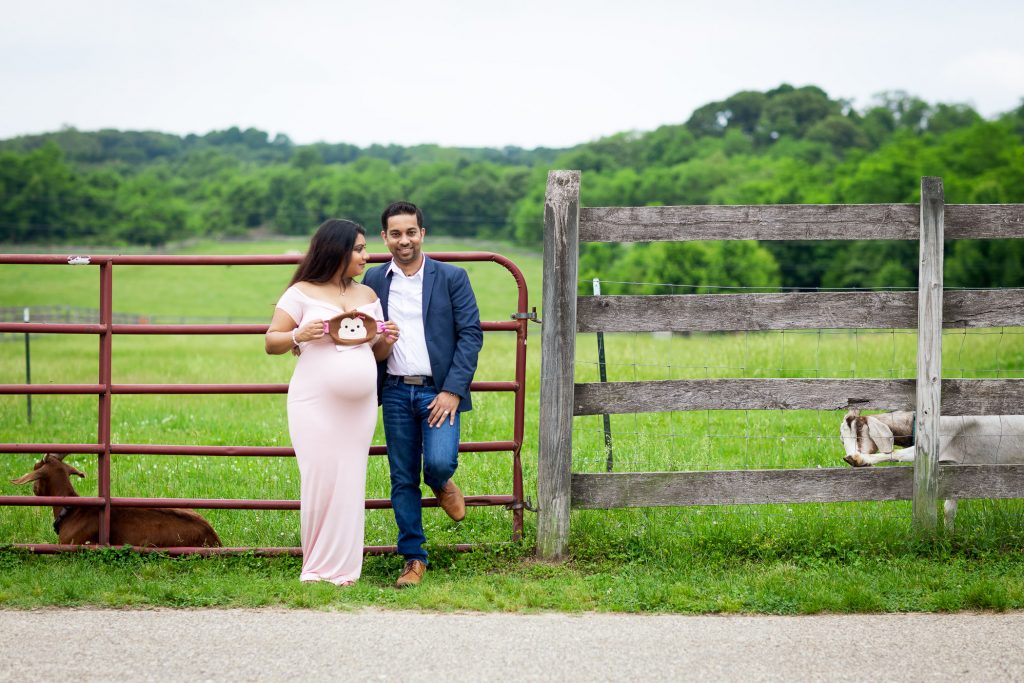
(558, 358)
(929, 355)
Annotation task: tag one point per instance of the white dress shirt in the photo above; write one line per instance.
(405, 308)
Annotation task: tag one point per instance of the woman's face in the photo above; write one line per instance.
(357, 262)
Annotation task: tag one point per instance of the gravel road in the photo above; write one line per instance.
(376, 645)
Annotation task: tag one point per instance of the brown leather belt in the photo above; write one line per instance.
(418, 380)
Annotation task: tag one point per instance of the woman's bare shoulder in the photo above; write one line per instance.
(307, 288)
(366, 294)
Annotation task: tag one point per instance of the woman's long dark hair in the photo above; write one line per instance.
(332, 244)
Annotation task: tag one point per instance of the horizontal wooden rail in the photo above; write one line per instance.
(754, 487)
(793, 310)
(794, 222)
(959, 396)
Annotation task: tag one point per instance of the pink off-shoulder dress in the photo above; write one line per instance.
(332, 412)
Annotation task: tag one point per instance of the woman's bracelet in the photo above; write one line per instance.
(295, 342)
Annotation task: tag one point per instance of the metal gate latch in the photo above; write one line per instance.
(526, 504)
(532, 315)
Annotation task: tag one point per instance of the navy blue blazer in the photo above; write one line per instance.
(451, 323)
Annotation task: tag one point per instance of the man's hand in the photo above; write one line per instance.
(444, 406)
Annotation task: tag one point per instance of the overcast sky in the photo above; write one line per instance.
(517, 72)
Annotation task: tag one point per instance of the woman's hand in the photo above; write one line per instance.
(310, 331)
(385, 340)
(283, 336)
(390, 332)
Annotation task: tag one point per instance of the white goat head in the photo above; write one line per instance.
(863, 436)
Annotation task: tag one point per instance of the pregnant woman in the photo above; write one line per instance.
(332, 397)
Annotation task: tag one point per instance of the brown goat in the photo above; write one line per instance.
(159, 527)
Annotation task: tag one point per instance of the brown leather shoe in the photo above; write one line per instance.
(451, 500)
(411, 574)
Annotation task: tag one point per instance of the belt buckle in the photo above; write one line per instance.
(416, 380)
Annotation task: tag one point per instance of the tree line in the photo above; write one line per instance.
(786, 145)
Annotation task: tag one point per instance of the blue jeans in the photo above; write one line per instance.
(412, 445)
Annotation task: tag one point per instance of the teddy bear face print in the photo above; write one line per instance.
(351, 328)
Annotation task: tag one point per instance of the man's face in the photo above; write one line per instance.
(404, 239)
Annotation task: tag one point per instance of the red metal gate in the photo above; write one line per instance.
(105, 389)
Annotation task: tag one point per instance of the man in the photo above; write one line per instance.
(425, 381)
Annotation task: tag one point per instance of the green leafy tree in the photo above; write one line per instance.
(790, 112)
(839, 132)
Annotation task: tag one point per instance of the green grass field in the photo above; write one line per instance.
(777, 559)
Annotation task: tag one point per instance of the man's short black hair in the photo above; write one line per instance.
(399, 209)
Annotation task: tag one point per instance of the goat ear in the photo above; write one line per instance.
(70, 469)
(31, 476)
(880, 434)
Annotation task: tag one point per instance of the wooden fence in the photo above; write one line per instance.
(566, 224)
